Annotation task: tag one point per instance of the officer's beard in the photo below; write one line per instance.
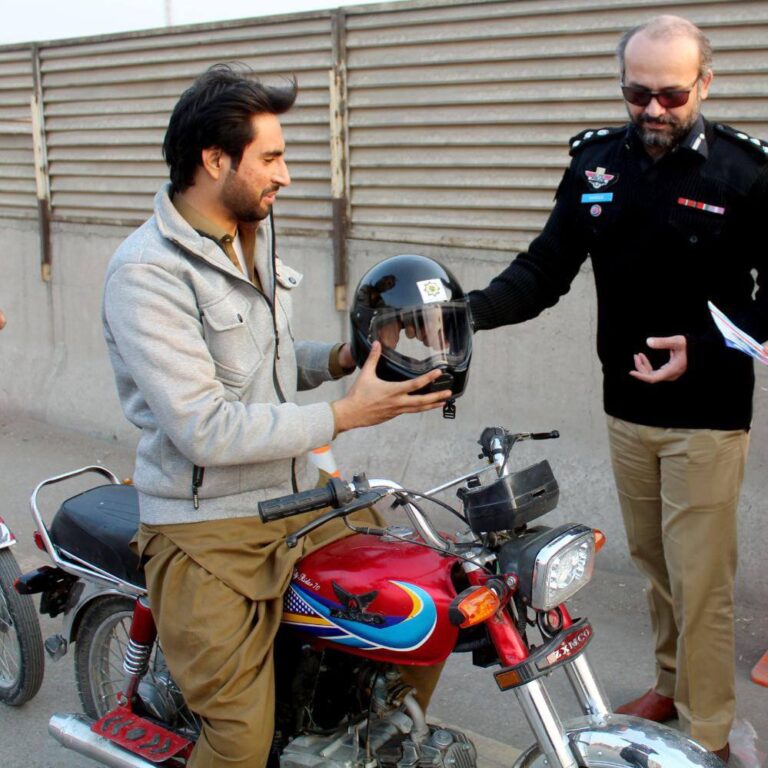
(677, 131)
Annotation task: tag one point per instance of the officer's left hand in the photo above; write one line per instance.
(671, 370)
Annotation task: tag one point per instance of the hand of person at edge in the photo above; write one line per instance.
(2, 320)
(346, 361)
(673, 369)
(372, 401)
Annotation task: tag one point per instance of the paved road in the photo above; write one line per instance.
(31, 451)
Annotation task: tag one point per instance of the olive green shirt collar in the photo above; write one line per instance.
(197, 221)
(208, 228)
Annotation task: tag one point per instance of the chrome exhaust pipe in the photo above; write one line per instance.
(74, 732)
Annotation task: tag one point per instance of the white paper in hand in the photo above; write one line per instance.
(735, 337)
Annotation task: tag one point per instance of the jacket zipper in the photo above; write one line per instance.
(197, 480)
(198, 473)
(273, 308)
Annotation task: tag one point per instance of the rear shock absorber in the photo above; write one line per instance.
(142, 636)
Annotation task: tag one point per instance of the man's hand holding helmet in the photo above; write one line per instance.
(372, 400)
(415, 308)
(411, 338)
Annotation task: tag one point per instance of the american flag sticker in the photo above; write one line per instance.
(700, 206)
(297, 611)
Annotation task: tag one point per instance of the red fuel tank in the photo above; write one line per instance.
(383, 599)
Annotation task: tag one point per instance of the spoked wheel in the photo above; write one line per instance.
(99, 652)
(22, 661)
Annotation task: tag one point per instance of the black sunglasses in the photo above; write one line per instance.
(641, 97)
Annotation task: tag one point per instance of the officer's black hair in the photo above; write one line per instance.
(216, 111)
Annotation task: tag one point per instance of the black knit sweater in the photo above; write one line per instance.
(664, 238)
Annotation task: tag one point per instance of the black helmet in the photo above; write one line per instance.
(415, 307)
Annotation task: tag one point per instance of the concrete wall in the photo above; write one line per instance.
(538, 376)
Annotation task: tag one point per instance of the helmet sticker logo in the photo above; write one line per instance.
(432, 290)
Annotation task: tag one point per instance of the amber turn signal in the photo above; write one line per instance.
(474, 606)
(599, 539)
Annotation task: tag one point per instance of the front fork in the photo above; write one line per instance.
(543, 718)
(533, 697)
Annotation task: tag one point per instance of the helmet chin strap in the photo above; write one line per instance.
(449, 409)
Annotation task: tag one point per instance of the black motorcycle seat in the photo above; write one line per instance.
(97, 526)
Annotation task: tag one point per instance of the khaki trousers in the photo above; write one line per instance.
(216, 593)
(679, 490)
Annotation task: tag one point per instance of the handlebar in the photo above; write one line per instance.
(335, 493)
(346, 497)
(494, 439)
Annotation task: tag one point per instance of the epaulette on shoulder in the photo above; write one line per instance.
(592, 135)
(757, 146)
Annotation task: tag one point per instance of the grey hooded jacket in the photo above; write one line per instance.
(207, 369)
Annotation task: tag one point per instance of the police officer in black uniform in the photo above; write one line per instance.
(671, 210)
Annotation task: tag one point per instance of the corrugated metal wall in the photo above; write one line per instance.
(17, 165)
(107, 106)
(457, 114)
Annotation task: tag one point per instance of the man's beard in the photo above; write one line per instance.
(664, 139)
(678, 128)
(242, 202)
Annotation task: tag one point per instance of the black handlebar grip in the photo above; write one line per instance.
(333, 494)
(553, 435)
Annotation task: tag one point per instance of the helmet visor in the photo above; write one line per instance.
(421, 338)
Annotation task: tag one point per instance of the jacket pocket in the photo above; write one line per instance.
(230, 339)
(696, 228)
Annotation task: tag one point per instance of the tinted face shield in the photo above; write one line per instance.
(421, 338)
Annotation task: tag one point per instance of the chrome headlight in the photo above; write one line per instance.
(551, 564)
(562, 567)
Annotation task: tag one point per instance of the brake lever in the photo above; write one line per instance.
(362, 501)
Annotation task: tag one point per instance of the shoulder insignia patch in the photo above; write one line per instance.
(592, 135)
(758, 146)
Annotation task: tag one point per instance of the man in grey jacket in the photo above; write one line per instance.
(197, 317)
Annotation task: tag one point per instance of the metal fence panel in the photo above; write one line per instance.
(107, 104)
(456, 114)
(460, 113)
(17, 165)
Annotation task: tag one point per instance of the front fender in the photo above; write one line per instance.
(619, 741)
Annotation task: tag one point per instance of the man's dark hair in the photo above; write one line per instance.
(216, 111)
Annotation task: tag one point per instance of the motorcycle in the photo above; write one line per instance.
(357, 609)
(22, 661)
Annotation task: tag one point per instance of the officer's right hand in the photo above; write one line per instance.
(372, 401)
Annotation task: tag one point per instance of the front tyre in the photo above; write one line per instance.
(22, 662)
